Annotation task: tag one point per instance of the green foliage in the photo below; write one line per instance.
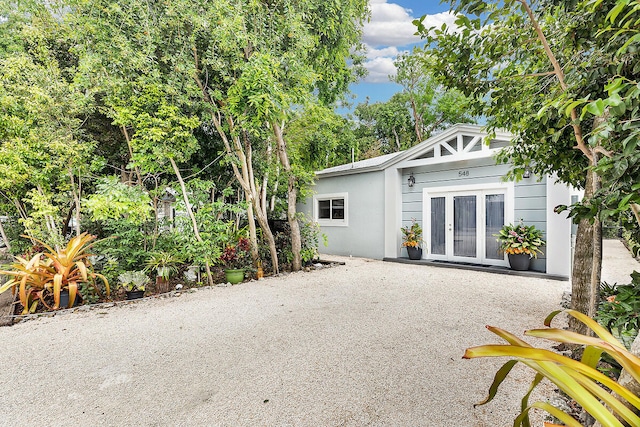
(14, 231)
(319, 138)
(133, 280)
(164, 264)
(130, 244)
(310, 234)
(384, 127)
(114, 201)
(433, 107)
(619, 310)
(578, 379)
(520, 239)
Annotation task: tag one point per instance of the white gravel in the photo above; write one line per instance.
(368, 343)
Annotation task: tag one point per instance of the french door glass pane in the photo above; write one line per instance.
(494, 206)
(438, 226)
(464, 226)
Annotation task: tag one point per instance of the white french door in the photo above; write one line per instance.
(460, 225)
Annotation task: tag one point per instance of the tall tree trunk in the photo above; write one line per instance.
(135, 168)
(587, 262)
(417, 120)
(397, 138)
(253, 235)
(187, 205)
(244, 174)
(76, 200)
(4, 237)
(292, 193)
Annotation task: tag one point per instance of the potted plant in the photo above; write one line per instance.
(235, 258)
(412, 239)
(520, 243)
(54, 274)
(165, 265)
(134, 283)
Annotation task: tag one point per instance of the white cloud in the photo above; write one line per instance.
(373, 53)
(379, 70)
(391, 27)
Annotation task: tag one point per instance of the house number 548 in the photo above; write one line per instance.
(463, 173)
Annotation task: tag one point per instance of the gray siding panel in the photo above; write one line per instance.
(529, 194)
(364, 236)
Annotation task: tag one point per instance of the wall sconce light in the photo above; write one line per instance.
(412, 180)
(527, 173)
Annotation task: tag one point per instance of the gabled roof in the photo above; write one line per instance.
(459, 142)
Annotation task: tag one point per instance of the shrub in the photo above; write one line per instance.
(619, 309)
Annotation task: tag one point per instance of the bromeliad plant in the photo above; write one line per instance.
(47, 274)
(578, 379)
(520, 239)
(164, 264)
(412, 236)
(133, 280)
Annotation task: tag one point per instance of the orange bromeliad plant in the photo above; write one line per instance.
(49, 273)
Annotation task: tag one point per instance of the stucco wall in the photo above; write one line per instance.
(364, 234)
(529, 194)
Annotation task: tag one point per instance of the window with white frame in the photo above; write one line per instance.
(331, 209)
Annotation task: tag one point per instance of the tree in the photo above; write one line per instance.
(571, 98)
(386, 126)
(529, 70)
(43, 153)
(320, 138)
(432, 106)
(286, 50)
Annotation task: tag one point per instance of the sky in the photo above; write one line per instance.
(389, 32)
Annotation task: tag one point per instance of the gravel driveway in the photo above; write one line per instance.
(367, 343)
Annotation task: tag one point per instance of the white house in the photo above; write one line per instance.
(453, 187)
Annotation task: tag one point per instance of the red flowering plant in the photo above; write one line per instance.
(237, 256)
(520, 239)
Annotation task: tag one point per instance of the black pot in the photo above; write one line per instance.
(414, 252)
(64, 299)
(135, 294)
(519, 262)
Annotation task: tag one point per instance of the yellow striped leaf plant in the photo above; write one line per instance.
(578, 379)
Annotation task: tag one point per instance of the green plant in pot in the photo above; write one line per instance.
(165, 265)
(134, 283)
(236, 257)
(412, 239)
(520, 243)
